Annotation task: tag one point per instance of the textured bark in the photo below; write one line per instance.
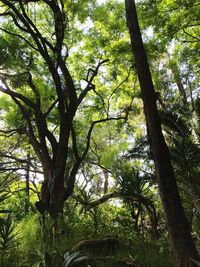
(178, 227)
(53, 193)
(105, 187)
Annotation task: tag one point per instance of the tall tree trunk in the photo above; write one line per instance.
(178, 226)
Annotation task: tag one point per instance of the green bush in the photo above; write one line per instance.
(8, 242)
(30, 238)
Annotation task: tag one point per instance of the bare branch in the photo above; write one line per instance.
(21, 37)
(30, 133)
(103, 199)
(17, 159)
(72, 176)
(192, 36)
(116, 88)
(34, 89)
(9, 133)
(91, 129)
(90, 80)
(13, 94)
(50, 108)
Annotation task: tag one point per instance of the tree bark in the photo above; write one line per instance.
(105, 187)
(53, 193)
(27, 182)
(179, 229)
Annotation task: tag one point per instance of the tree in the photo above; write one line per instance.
(172, 48)
(178, 227)
(47, 96)
(136, 188)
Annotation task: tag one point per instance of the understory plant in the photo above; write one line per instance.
(57, 260)
(7, 238)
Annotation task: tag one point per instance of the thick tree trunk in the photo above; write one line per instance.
(53, 193)
(178, 227)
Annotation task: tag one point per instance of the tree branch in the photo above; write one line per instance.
(72, 176)
(74, 143)
(50, 108)
(91, 129)
(90, 80)
(11, 132)
(192, 36)
(28, 23)
(19, 36)
(13, 94)
(34, 89)
(134, 197)
(116, 88)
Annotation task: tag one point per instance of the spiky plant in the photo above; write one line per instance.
(73, 259)
(182, 136)
(7, 232)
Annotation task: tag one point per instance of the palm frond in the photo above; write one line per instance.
(175, 124)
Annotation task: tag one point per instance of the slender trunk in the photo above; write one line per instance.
(178, 227)
(105, 187)
(27, 175)
(152, 215)
(177, 79)
(27, 182)
(135, 217)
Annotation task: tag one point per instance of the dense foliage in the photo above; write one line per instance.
(73, 128)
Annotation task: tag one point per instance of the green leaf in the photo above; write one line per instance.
(68, 262)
